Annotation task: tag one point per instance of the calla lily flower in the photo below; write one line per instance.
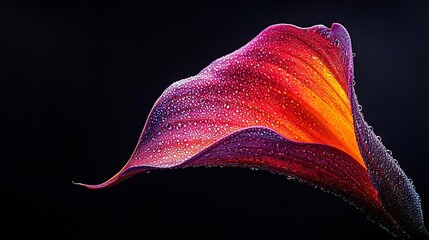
(285, 103)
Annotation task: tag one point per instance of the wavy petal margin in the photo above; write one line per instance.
(285, 103)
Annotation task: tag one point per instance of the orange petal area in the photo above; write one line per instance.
(309, 87)
(286, 79)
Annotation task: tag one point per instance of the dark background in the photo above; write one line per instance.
(78, 80)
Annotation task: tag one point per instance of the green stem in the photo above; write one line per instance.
(424, 235)
(425, 232)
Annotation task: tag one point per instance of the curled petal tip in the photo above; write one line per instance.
(81, 184)
(126, 172)
(93, 187)
(117, 178)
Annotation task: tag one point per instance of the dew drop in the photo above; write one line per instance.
(360, 107)
(354, 54)
(337, 42)
(169, 126)
(389, 152)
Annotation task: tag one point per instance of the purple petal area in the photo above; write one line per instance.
(319, 165)
(395, 191)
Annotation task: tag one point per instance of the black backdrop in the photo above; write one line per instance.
(78, 80)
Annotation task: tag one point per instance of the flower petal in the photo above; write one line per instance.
(395, 191)
(288, 79)
(284, 102)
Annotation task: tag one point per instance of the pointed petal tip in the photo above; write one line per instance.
(109, 183)
(90, 186)
(126, 172)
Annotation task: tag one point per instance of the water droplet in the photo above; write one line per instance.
(169, 126)
(337, 42)
(379, 138)
(389, 152)
(354, 54)
(360, 107)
